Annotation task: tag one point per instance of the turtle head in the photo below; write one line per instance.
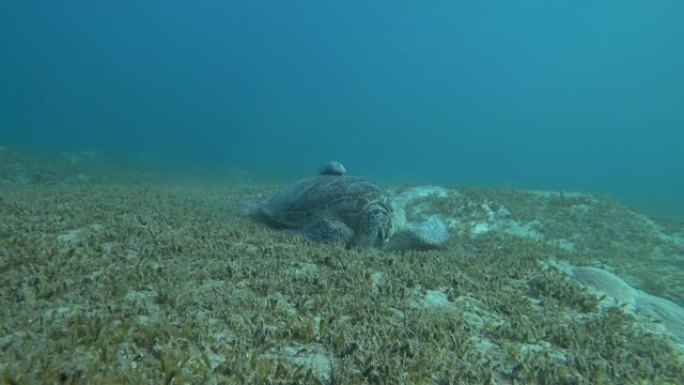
(375, 225)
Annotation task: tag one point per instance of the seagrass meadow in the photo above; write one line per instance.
(266, 192)
(116, 281)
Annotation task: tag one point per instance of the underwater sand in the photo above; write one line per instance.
(135, 282)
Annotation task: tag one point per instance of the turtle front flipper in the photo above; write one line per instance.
(375, 225)
(329, 230)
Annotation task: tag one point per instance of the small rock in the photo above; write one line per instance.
(333, 168)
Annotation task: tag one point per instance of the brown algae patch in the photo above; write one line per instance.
(170, 285)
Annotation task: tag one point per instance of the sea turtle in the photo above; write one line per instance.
(334, 207)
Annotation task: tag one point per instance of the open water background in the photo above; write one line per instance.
(533, 94)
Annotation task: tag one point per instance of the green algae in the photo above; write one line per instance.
(114, 284)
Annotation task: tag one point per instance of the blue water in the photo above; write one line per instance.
(580, 95)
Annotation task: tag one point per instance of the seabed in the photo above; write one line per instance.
(119, 278)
